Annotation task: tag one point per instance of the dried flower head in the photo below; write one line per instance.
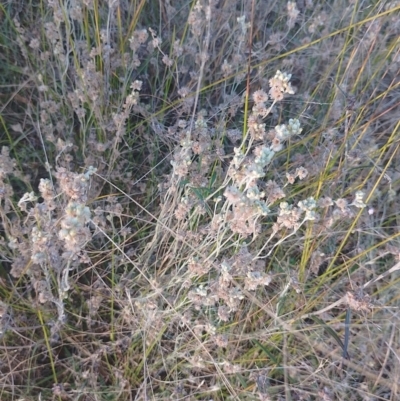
(279, 85)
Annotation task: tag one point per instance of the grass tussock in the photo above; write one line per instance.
(199, 200)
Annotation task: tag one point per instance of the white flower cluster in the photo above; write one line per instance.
(285, 78)
(284, 132)
(279, 85)
(74, 231)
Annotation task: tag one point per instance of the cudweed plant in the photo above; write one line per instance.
(198, 259)
(53, 236)
(238, 215)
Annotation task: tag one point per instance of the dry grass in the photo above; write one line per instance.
(195, 196)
